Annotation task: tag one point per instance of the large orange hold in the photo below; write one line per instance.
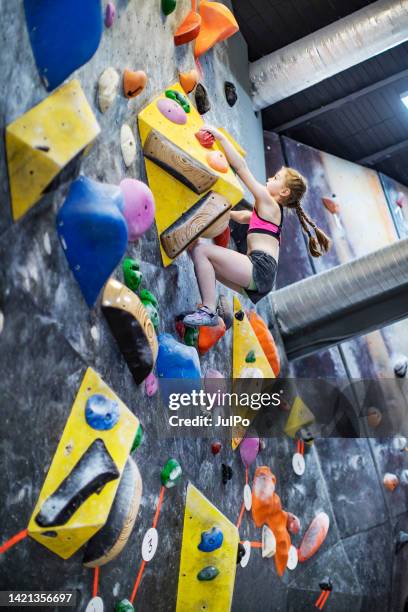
(217, 161)
(314, 537)
(188, 80)
(134, 82)
(266, 340)
(218, 23)
(209, 336)
(189, 28)
(267, 510)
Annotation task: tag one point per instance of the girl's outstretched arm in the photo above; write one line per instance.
(238, 163)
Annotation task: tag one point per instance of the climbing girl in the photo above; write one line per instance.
(255, 272)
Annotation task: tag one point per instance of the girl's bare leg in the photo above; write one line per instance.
(211, 261)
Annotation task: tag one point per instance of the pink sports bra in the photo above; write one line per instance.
(257, 225)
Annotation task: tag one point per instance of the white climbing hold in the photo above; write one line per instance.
(268, 542)
(47, 243)
(399, 443)
(128, 144)
(149, 544)
(404, 477)
(247, 497)
(95, 333)
(107, 88)
(1, 321)
(292, 558)
(245, 558)
(298, 464)
(95, 605)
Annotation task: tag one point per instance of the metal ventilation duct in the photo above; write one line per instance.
(346, 301)
(344, 43)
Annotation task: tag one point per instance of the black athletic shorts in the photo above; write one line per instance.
(264, 275)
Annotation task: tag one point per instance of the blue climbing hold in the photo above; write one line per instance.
(211, 540)
(101, 413)
(63, 35)
(178, 368)
(93, 233)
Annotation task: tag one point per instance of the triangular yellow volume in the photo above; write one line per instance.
(300, 416)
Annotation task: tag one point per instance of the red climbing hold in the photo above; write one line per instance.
(293, 524)
(314, 536)
(223, 239)
(215, 448)
(205, 139)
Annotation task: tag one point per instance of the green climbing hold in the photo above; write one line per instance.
(179, 98)
(138, 439)
(250, 358)
(124, 606)
(146, 296)
(152, 314)
(191, 336)
(132, 275)
(171, 473)
(168, 6)
(208, 573)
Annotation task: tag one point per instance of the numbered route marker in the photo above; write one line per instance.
(149, 545)
(292, 558)
(298, 464)
(247, 497)
(245, 558)
(95, 605)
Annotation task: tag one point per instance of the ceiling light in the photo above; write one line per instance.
(404, 98)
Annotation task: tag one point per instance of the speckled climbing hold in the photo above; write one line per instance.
(171, 473)
(314, 537)
(374, 417)
(401, 541)
(391, 481)
(44, 140)
(226, 473)
(250, 358)
(202, 99)
(206, 139)
(211, 540)
(223, 239)
(216, 447)
(208, 573)
(131, 273)
(188, 80)
(401, 367)
(217, 161)
(249, 449)
(266, 340)
(127, 145)
(101, 413)
(172, 111)
(134, 82)
(268, 543)
(124, 606)
(293, 524)
(55, 28)
(230, 93)
(93, 233)
(151, 385)
(178, 97)
(138, 439)
(107, 88)
(139, 207)
(168, 6)
(240, 315)
(110, 14)
(218, 24)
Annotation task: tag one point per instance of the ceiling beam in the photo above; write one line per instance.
(383, 153)
(336, 104)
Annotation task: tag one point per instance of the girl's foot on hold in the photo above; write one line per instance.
(201, 317)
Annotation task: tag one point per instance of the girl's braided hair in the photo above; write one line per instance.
(297, 184)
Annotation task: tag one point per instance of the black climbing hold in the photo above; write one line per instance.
(43, 148)
(94, 469)
(401, 367)
(202, 100)
(401, 540)
(240, 553)
(326, 584)
(226, 473)
(230, 93)
(240, 315)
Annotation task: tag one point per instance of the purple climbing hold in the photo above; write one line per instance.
(249, 449)
(110, 14)
(139, 207)
(151, 385)
(172, 111)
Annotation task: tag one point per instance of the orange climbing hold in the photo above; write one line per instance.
(266, 340)
(209, 336)
(218, 23)
(331, 205)
(267, 510)
(314, 537)
(189, 29)
(188, 80)
(134, 82)
(217, 161)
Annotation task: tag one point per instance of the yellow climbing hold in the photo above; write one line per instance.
(44, 140)
(245, 341)
(173, 197)
(299, 416)
(193, 595)
(92, 512)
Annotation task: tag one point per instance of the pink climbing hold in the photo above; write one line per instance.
(151, 385)
(293, 524)
(314, 537)
(172, 111)
(139, 207)
(249, 449)
(110, 14)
